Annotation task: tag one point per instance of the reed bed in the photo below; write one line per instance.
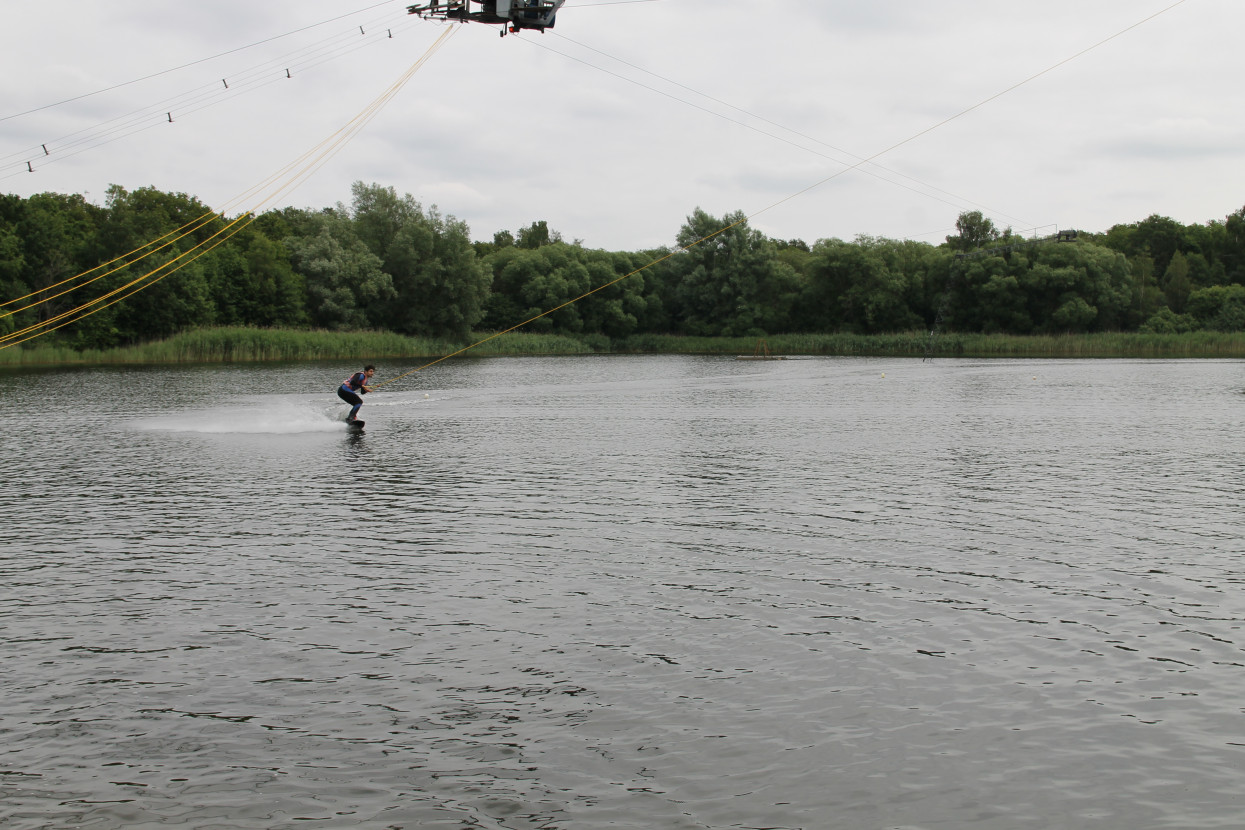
(252, 345)
(1202, 344)
(1198, 344)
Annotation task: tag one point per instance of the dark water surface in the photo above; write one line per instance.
(626, 592)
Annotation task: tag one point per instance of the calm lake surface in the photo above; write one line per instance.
(626, 592)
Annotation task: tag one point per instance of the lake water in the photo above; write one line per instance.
(626, 592)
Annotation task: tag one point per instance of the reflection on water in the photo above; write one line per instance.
(635, 592)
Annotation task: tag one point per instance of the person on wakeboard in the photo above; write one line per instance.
(354, 386)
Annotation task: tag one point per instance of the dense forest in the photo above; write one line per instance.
(385, 263)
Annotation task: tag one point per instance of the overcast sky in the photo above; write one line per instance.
(618, 123)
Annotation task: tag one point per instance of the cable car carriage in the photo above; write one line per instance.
(512, 14)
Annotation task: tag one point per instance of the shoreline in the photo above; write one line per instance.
(251, 345)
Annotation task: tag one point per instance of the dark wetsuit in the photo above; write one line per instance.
(350, 391)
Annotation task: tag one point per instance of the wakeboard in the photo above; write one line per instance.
(354, 426)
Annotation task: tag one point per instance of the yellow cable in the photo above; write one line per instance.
(315, 158)
(602, 287)
(385, 97)
(801, 192)
(114, 292)
(318, 156)
(140, 288)
(202, 220)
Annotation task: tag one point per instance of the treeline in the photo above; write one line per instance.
(385, 263)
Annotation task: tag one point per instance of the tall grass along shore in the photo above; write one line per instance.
(248, 345)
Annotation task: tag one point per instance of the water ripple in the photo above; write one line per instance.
(629, 592)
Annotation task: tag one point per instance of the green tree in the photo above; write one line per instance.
(440, 287)
(1075, 287)
(977, 284)
(536, 235)
(1004, 305)
(1233, 256)
(1073, 315)
(834, 267)
(501, 239)
(137, 219)
(346, 283)
(252, 283)
(177, 296)
(1051, 287)
(277, 292)
(1219, 307)
(157, 233)
(527, 282)
(868, 286)
(1166, 321)
(1176, 283)
(618, 309)
(1157, 237)
(732, 281)
(1147, 297)
(659, 286)
(973, 230)
(58, 236)
(286, 222)
(12, 271)
(229, 282)
(1161, 237)
(886, 299)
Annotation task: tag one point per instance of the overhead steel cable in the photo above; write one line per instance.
(296, 59)
(966, 111)
(275, 70)
(312, 62)
(787, 198)
(960, 200)
(178, 103)
(847, 164)
(388, 95)
(194, 62)
(317, 157)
